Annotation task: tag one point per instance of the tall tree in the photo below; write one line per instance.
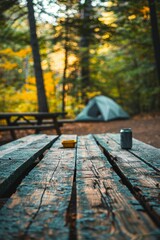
(155, 35)
(66, 53)
(42, 101)
(91, 32)
(85, 36)
(134, 55)
(66, 49)
(66, 36)
(82, 19)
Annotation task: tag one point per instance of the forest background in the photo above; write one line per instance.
(56, 55)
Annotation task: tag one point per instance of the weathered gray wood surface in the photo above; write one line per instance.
(105, 207)
(141, 178)
(149, 154)
(40, 207)
(93, 191)
(17, 156)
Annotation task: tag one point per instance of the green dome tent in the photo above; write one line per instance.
(101, 108)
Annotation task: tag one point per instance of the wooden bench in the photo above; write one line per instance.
(25, 121)
(93, 191)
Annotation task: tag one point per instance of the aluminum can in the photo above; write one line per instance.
(126, 138)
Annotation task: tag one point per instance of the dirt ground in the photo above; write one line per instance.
(145, 128)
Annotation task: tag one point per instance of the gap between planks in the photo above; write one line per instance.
(148, 197)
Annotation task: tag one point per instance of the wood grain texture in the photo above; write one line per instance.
(38, 209)
(105, 207)
(147, 153)
(17, 156)
(93, 191)
(141, 178)
(9, 147)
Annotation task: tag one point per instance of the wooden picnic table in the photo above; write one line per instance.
(95, 190)
(30, 120)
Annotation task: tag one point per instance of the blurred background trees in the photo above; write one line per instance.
(86, 47)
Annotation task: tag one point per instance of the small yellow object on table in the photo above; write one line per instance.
(68, 143)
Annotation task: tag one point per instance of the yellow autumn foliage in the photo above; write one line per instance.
(107, 18)
(10, 53)
(8, 57)
(8, 65)
(25, 100)
(31, 80)
(23, 52)
(145, 11)
(132, 17)
(50, 83)
(7, 51)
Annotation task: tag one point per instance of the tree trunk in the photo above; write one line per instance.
(66, 49)
(155, 35)
(42, 101)
(84, 48)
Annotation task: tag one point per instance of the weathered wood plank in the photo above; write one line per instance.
(140, 177)
(17, 156)
(147, 153)
(105, 207)
(40, 207)
(9, 147)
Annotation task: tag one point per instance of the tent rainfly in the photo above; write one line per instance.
(101, 108)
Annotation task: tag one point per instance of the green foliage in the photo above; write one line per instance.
(120, 58)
